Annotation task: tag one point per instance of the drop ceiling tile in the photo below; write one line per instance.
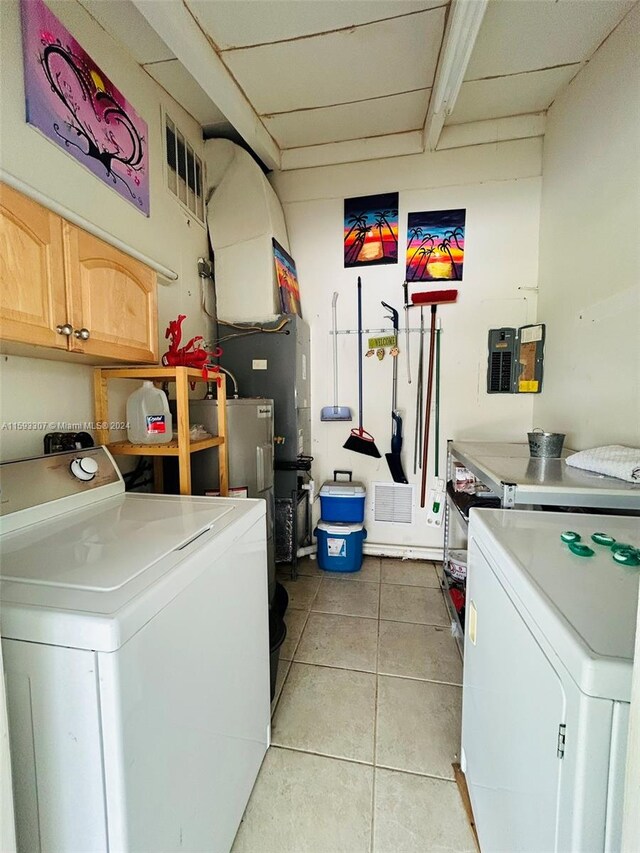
(509, 96)
(126, 24)
(375, 117)
(177, 81)
(234, 23)
(380, 59)
(534, 34)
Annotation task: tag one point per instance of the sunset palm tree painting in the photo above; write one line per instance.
(371, 230)
(287, 280)
(435, 245)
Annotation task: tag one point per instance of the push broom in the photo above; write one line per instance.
(432, 298)
(360, 441)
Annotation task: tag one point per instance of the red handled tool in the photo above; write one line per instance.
(433, 298)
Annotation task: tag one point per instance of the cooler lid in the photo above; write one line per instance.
(586, 607)
(339, 528)
(343, 489)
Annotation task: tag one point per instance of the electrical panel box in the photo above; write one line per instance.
(516, 360)
(502, 356)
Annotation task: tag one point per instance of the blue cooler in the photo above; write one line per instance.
(340, 546)
(342, 500)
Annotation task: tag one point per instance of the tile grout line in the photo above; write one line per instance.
(362, 763)
(375, 716)
(386, 619)
(376, 672)
(373, 618)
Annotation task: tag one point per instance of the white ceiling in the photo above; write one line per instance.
(527, 51)
(309, 73)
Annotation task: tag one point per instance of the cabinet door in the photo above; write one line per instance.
(32, 287)
(113, 297)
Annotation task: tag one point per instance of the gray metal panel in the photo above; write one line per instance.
(508, 467)
(249, 445)
(284, 378)
(502, 358)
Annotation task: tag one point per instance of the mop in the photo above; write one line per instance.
(335, 412)
(432, 298)
(361, 441)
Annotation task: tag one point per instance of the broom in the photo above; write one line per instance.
(360, 441)
(432, 298)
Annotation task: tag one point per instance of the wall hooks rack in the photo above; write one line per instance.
(378, 331)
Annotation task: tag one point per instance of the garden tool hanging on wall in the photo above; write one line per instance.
(435, 504)
(433, 299)
(393, 458)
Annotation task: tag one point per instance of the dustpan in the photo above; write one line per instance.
(335, 412)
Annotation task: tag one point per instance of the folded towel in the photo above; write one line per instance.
(614, 460)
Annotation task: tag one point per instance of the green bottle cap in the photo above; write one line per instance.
(627, 557)
(621, 546)
(581, 550)
(603, 539)
(570, 536)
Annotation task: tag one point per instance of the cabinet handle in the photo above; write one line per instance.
(82, 334)
(65, 329)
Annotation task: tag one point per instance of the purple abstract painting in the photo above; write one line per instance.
(72, 102)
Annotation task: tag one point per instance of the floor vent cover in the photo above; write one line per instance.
(393, 502)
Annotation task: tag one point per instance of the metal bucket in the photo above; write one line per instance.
(545, 444)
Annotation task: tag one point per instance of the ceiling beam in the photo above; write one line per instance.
(463, 25)
(177, 28)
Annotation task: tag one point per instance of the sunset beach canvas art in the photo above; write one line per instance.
(435, 245)
(287, 280)
(371, 230)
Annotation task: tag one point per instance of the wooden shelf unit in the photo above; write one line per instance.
(183, 447)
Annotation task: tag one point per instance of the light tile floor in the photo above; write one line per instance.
(366, 719)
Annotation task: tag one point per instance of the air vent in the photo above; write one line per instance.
(393, 502)
(184, 170)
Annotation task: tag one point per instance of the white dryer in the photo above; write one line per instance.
(136, 652)
(548, 658)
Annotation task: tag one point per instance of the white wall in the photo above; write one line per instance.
(170, 235)
(589, 250)
(499, 185)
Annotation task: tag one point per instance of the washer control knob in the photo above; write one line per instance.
(84, 468)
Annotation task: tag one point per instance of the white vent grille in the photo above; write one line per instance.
(393, 502)
(184, 170)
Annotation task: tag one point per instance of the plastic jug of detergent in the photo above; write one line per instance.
(148, 416)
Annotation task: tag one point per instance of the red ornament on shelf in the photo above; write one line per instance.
(192, 354)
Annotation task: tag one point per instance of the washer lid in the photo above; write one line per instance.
(104, 547)
(586, 607)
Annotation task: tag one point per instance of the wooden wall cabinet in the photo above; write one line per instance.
(61, 287)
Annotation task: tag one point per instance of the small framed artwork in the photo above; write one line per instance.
(371, 230)
(287, 280)
(435, 245)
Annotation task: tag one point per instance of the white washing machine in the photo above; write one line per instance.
(136, 653)
(548, 658)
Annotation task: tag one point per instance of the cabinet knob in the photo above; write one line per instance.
(82, 334)
(65, 329)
